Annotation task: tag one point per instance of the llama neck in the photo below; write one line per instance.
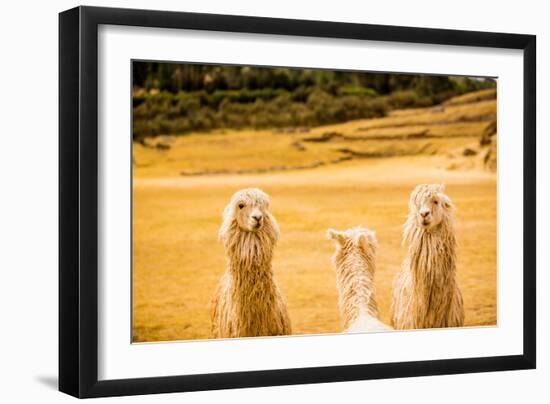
(249, 256)
(355, 279)
(432, 262)
(250, 250)
(250, 268)
(433, 251)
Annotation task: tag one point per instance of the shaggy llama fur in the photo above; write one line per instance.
(425, 291)
(248, 302)
(355, 262)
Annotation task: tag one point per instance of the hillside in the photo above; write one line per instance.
(453, 129)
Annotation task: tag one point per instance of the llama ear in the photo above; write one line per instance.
(447, 204)
(274, 225)
(366, 240)
(226, 221)
(441, 187)
(362, 241)
(336, 236)
(228, 211)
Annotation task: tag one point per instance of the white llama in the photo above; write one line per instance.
(248, 302)
(355, 262)
(425, 291)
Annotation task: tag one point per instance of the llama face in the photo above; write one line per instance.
(429, 205)
(249, 208)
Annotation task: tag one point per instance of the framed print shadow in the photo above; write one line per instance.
(250, 201)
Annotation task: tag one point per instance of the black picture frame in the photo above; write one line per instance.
(78, 201)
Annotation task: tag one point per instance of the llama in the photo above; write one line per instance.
(425, 290)
(248, 302)
(355, 261)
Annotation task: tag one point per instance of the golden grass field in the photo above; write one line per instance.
(177, 260)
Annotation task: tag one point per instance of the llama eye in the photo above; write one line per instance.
(436, 202)
(241, 205)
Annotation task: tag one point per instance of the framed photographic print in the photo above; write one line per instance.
(251, 201)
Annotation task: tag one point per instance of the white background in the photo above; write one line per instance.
(28, 169)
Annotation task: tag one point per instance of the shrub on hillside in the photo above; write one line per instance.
(168, 113)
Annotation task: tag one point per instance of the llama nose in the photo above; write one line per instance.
(424, 213)
(257, 218)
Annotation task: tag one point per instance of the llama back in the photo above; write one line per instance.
(354, 261)
(367, 323)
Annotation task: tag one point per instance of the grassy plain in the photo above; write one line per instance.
(178, 260)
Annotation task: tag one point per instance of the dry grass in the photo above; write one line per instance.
(435, 115)
(442, 129)
(476, 96)
(177, 259)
